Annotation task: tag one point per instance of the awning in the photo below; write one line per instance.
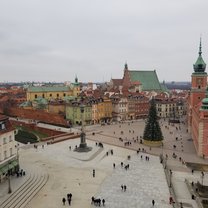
(4, 168)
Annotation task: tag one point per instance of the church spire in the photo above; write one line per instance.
(126, 66)
(76, 79)
(200, 65)
(200, 48)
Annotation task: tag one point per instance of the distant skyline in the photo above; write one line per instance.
(55, 40)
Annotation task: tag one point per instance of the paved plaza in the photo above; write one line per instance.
(71, 172)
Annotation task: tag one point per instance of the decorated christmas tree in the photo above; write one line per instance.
(152, 131)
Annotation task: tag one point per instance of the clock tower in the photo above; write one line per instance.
(198, 80)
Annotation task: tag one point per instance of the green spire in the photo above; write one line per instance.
(200, 65)
(76, 79)
(200, 48)
(126, 66)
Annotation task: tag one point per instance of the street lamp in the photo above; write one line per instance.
(17, 147)
(202, 177)
(170, 178)
(9, 179)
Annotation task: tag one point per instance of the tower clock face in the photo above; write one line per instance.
(199, 81)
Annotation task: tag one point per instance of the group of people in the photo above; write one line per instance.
(68, 198)
(123, 187)
(97, 202)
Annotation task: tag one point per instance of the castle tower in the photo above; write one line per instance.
(198, 86)
(198, 80)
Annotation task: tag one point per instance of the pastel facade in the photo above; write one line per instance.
(104, 108)
(119, 108)
(53, 92)
(73, 113)
(8, 148)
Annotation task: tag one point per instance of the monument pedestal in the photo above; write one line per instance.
(83, 145)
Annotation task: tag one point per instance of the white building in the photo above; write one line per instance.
(8, 148)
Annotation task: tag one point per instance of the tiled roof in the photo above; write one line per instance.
(148, 79)
(8, 125)
(3, 117)
(48, 89)
(117, 82)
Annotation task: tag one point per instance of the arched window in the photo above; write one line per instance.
(36, 96)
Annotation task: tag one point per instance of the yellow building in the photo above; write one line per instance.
(53, 92)
(104, 109)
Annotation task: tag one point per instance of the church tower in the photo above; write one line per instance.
(76, 87)
(126, 77)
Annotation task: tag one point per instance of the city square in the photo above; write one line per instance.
(72, 172)
(103, 104)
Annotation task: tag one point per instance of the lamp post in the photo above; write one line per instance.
(9, 180)
(170, 178)
(202, 177)
(17, 147)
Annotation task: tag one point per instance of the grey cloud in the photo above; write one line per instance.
(62, 38)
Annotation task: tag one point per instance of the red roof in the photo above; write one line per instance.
(117, 82)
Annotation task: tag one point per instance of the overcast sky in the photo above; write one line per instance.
(54, 40)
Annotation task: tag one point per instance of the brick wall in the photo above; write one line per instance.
(49, 132)
(37, 115)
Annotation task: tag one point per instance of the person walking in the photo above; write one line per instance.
(125, 187)
(64, 201)
(122, 187)
(103, 201)
(69, 201)
(153, 202)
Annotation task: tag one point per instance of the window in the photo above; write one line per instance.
(36, 96)
(10, 138)
(43, 96)
(5, 154)
(57, 95)
(2, 126)
(64, 94)
(4, 140)
(10, 150)
(50, 95)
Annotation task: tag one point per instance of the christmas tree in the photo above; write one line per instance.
(152, 131)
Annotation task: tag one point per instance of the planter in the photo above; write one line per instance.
(152, 143)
